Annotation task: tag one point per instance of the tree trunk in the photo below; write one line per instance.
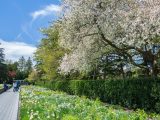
(154, 69)
(150, 62)
(122, 71)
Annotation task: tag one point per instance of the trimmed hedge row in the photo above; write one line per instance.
(135, 93)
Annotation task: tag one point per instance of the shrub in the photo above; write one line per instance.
(131, 93)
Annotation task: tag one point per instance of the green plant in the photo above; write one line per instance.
(131, 93)
(38, 103)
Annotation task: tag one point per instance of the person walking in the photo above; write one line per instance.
(15, 86)
(5, 87)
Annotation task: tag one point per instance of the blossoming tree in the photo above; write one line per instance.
(91, 27)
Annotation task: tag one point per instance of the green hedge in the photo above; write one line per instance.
(135, 93)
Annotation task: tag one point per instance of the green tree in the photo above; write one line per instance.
(22, 64)
(3, 72)
(28, 66)
(12, 68)
(33, 77)
(91, 26)
(3, 67)
(22, 71)
(49, 54)
(1, 54)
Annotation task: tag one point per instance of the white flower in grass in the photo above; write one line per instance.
(53, 114)
(48, 116)
(31, 116)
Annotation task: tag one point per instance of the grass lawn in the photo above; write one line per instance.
(42, 104)
(1, 86)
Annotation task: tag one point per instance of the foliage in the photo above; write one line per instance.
(79, 45)
(48, 54)
(1, 86)
(3, 67)
(11, 74)
(135, 93)
(29, 66)
(42, 104)
(1, 54)
(3, 72)
(19, 69)
(21, 64)
(33, 77)
(14, 70)
(24, 68)
(91, 27)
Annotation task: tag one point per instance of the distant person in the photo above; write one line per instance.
(18, 83)
(15, 86)
(5, 87)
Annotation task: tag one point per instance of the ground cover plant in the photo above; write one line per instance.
(135, 93)
(42, 104)
(1, 86)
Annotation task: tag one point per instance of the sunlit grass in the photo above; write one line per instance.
(1, 86)
(42, 104)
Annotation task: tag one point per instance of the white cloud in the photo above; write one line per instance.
(14, 50)
(46, 11)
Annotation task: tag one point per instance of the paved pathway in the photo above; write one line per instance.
(9, 105)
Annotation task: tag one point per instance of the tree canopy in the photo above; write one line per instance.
(49, 53)
(1, 54)
(91, 27)
(95, 38)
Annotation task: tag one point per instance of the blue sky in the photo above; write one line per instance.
(20, 21)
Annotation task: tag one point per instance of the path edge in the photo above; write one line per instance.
(19, 104)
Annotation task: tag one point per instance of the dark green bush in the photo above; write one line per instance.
(131, 93)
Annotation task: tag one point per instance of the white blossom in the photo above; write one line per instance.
(122, 22)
